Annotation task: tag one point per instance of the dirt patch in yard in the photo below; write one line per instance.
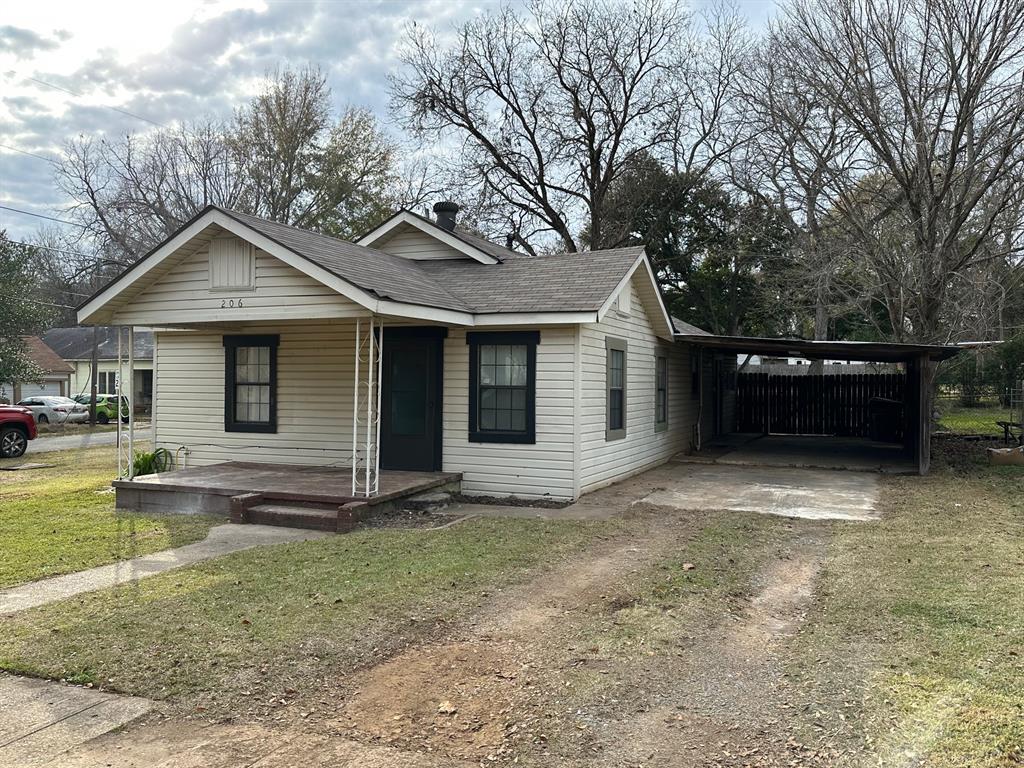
(455, 699)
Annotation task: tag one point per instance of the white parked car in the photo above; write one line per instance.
(50, 409)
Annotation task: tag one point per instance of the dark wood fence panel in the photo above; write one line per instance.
(836, 404)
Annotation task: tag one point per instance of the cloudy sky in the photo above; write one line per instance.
(105, 67)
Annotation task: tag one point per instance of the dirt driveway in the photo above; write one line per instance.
(622, 655)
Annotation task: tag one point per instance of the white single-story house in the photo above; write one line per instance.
(418, 347)
(75, 346)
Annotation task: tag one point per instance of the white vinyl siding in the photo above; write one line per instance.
(603, 461)
(183, 295)
(540, 470)
(418, 246)
(314, 396)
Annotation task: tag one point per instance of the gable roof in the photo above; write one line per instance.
(47, 360)
(503, 283)
(75, 343)
(478, 249)
(384, 274)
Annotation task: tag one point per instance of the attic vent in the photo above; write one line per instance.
(625, 300)
(232, 264)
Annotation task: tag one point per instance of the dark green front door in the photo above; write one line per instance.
(411, 399)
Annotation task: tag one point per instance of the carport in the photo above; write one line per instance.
(844, 420)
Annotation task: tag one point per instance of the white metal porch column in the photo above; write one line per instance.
(366, 393)
(125, 447)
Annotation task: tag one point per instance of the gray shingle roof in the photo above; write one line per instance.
(576, 282)
(684, 327)
(76, 343)
(386, 275)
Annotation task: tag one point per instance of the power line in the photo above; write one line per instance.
(41, 216)
(30, 154)
(55, 250)
(116, 109)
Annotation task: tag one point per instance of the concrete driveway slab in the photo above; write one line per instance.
(40, 720)
(814, 494)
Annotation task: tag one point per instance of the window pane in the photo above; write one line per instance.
(519, 420)
(502, 375)
(488, 398)
(487, 374)
(518, 376)
(615, 409)
(504, 399)
(487, 419)
(519, 354)
(504, 422)
(487, 354)
(519, 399)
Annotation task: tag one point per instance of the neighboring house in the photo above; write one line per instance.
(55, 378)
(75, 346)
(535, 377)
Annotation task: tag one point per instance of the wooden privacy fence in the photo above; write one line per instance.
(817, 405)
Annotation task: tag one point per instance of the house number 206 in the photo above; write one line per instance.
(230, 303)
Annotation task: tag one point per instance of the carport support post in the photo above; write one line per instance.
(919, 394)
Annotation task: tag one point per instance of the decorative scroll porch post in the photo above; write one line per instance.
(366, 399)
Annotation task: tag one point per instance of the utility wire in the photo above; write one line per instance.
(41, 216)
(56, 250)
(116, 109)
(30, 154)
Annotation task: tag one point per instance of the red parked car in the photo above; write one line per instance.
(17, 427)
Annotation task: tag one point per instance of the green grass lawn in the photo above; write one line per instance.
(923, 615)
(980, 420)
(260, 622)
(62, 518)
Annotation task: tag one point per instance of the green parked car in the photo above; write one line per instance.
(105, 407)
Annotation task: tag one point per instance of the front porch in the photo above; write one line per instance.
(274, 494)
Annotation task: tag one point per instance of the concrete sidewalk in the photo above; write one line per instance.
(40, 720)
(221, 540)
(143, 433)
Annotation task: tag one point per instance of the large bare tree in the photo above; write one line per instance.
(130, 193)
(285, 156)
(933, 91)
(543, 110)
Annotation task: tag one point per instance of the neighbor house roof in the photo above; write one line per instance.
(76, 343)
(47, 360)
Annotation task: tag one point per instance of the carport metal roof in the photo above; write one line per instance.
(869, 351)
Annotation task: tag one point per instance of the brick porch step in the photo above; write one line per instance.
(315, 517)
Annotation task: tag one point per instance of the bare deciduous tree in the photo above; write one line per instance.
(934, 91)
(132, 193)
(548, 107)
(285, 157)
